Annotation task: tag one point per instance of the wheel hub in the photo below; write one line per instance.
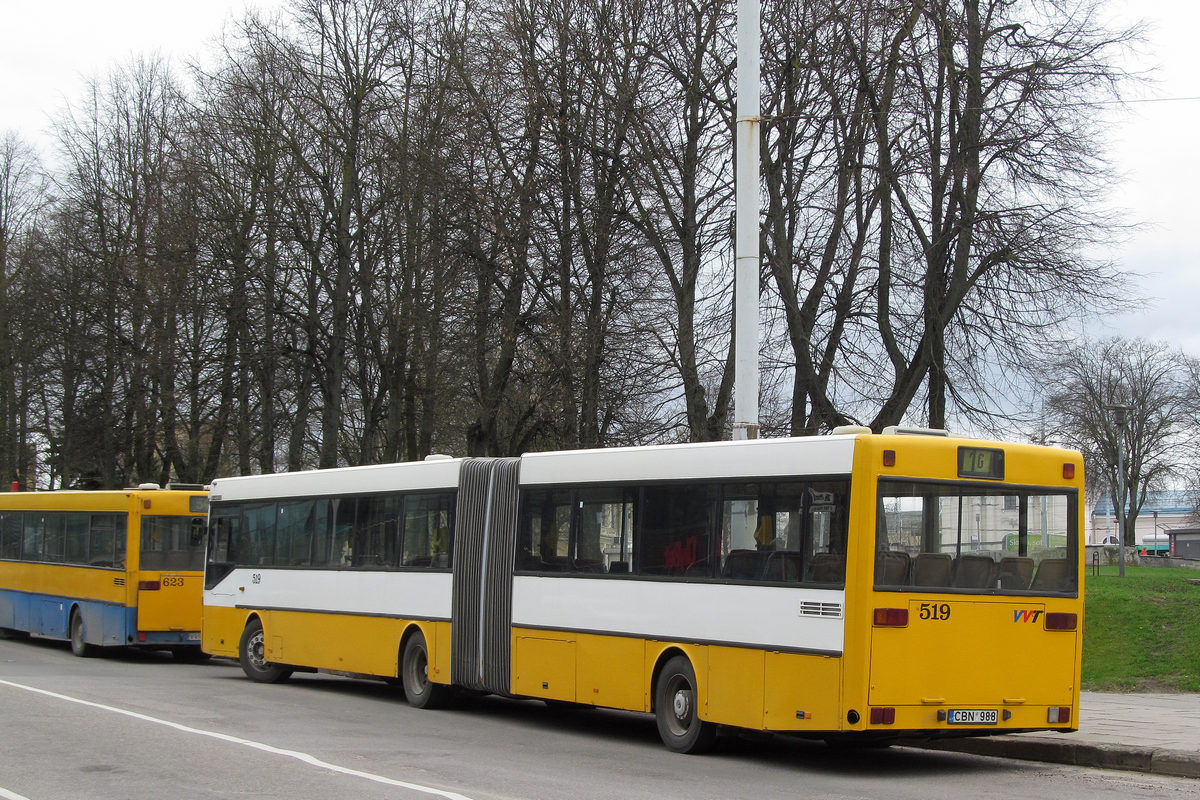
(681, 704)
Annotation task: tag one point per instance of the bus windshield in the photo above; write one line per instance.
(977, 539)
(172, 543)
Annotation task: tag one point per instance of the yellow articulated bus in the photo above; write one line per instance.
(853, 586)
(105, 568)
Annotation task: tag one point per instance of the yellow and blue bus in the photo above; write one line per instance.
(105, 568)
(852, 586)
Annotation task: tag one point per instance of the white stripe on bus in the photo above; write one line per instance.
(305, 757)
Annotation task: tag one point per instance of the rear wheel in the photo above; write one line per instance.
(679, 723)
(251, 656)
(78, 646)
(414, 672)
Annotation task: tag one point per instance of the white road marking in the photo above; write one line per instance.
(7, 795)
(305, 757)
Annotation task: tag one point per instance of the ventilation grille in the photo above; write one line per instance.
(813, 608)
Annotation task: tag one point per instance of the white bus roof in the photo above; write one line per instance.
(761, 458)
(375, 479)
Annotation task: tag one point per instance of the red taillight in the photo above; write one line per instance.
(883, 716)
(149, 586)
(1068, 471)
(889, 458)
(1058, 715)
(141, 636)
(1061, 621)
(891, 617)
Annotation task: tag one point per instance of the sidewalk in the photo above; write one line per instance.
(1157, 733)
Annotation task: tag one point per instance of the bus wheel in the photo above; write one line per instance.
(78, 646)
(414, 673)
(250, 655)
(679, 723)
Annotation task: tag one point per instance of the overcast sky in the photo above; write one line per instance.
(51, 46)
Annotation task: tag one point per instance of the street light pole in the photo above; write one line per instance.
(1121, 418)
(746, 229)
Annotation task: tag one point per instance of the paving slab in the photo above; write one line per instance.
(1158, 733)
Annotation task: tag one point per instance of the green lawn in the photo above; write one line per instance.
(1141, 633)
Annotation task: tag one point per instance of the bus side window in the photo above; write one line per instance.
(426, 540)
(602, 531)
(675, 532)
(10, 534)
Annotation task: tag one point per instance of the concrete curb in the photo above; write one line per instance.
(1157, 760)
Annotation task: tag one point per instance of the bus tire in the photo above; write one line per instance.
(675, 711)
(79, 646)
(419, 691)
(250, 656)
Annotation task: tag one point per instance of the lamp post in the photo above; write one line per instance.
(1121, 419)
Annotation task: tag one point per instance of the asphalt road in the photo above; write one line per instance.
(134, 726)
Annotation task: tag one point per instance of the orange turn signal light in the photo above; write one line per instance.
(891, 617)
(1061, 621)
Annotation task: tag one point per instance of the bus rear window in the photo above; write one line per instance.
(975, 539)
(172, 543)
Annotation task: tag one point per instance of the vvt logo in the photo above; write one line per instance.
(1026, 615)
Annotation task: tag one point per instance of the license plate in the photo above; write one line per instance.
(193, 637)
(972, 716)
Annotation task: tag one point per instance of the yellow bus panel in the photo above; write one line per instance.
(802, 692)
(609, 672)
(934, 660)
(544, 667)
(735, 680)
(172, 604)
(340, 642)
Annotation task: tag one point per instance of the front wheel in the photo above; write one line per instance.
(78, 645)
(414, 673)
(679, 723)
(251, 656)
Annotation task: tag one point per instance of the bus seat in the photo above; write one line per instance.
(1052, 574)
(783, 565)
(1015, 572)
(827, 568)
(974, 572)
(618, 567)
(743, 564)
(891, 568)
(932, 569)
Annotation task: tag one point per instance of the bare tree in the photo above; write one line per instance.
(115, 238)
(23, 200)
(681, 188)
(1151, 379)
(988, 153)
